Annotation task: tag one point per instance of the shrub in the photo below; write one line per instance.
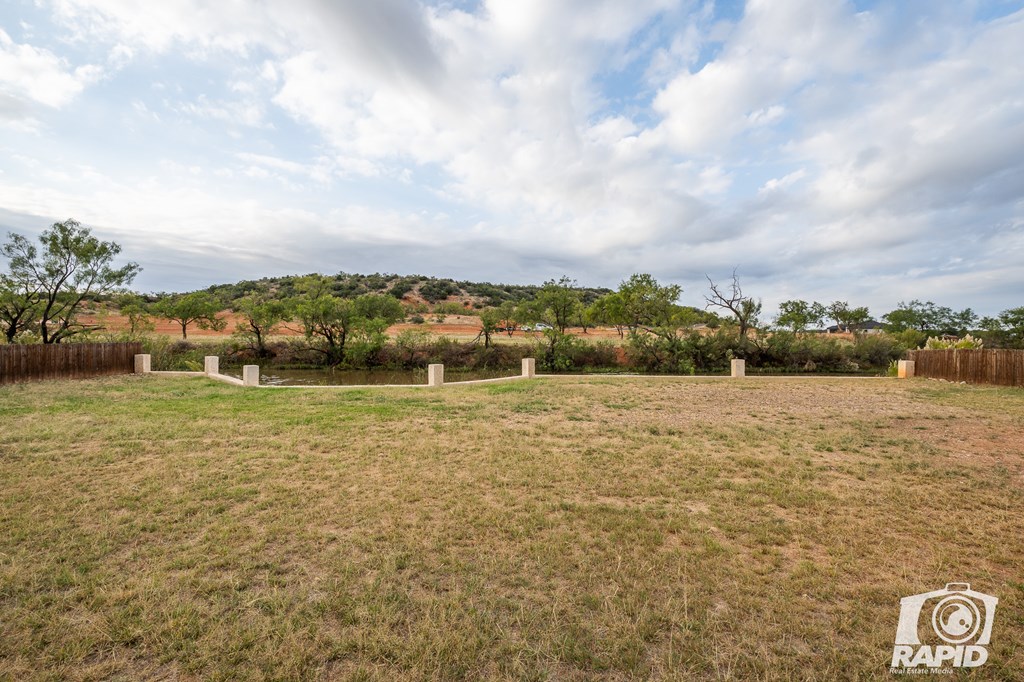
(451, 308)
(877, 350)
(967, 343)
(169, 355)
(438, 290)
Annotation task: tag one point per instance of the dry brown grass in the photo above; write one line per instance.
(564, 529)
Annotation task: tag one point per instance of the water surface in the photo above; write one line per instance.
(352, 377)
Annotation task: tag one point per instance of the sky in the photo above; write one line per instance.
(823, 149)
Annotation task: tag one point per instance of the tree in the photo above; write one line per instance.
(490, 319)
(798, 315)
(929, 318)
(1012, 321)
(199, 308)
(963, 321)
(557, 304)
(857, 317)
(846, 317)
(743, 308)
(260, 318)
(511, 316)
(19, 306)
(72, 267)
(133, 308)
(609, 309)
(645, 303)
(333, 320)
(1007, 329)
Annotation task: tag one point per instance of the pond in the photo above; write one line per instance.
(272, 376)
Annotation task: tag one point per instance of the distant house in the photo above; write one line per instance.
(869, 327)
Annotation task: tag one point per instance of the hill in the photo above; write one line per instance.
(410, 288)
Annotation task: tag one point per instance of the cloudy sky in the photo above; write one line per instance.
(827, 149)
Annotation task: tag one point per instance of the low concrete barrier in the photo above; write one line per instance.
(251, 375)
(435, 375)
(143, 363)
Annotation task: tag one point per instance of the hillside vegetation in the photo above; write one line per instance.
(403, 287)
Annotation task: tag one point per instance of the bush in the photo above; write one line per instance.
(877, 350)
(438, 290)
(966, 343)
(177, 355)
(400, 289)
(910, 338)
(451, 308)
(785, 351)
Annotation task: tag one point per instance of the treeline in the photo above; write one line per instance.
(658, 334)
(343, 319)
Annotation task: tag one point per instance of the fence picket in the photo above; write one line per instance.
(39, 362)
(986, 366)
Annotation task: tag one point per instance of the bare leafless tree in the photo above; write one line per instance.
(743, 308)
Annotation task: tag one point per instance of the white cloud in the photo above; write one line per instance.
(31, 73)
(807, 140)
(783, 182)
(239, 113)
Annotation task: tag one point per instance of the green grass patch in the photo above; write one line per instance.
(570, 528)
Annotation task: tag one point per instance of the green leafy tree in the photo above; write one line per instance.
(490, 320)
(334, 321)
(557, 304)
(261, 316)
(797, 315)
(659, 329)
(71, 268)
(1006, 329)
(929, 318)
(645, 303)
(511, 316)
(610, 310)
(857, 317)
(134, 310)
(198, 308)
(847, 318)
(962, 322)
(1012, 321)
(19, 306)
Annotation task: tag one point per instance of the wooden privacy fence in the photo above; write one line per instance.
(65, 360)
(1001, 367)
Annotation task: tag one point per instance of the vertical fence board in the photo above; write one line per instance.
(1001, 367)
(41, 362)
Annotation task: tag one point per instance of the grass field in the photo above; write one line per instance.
(562, 529)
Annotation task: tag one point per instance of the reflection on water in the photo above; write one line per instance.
(352, 377)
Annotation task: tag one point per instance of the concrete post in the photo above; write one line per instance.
(143, 364)
(251, 375)
(435, 375)
(211, 364)
(529, 367)
(905, 369)
(739, 369)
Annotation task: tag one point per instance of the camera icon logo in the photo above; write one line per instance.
(960, 618)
